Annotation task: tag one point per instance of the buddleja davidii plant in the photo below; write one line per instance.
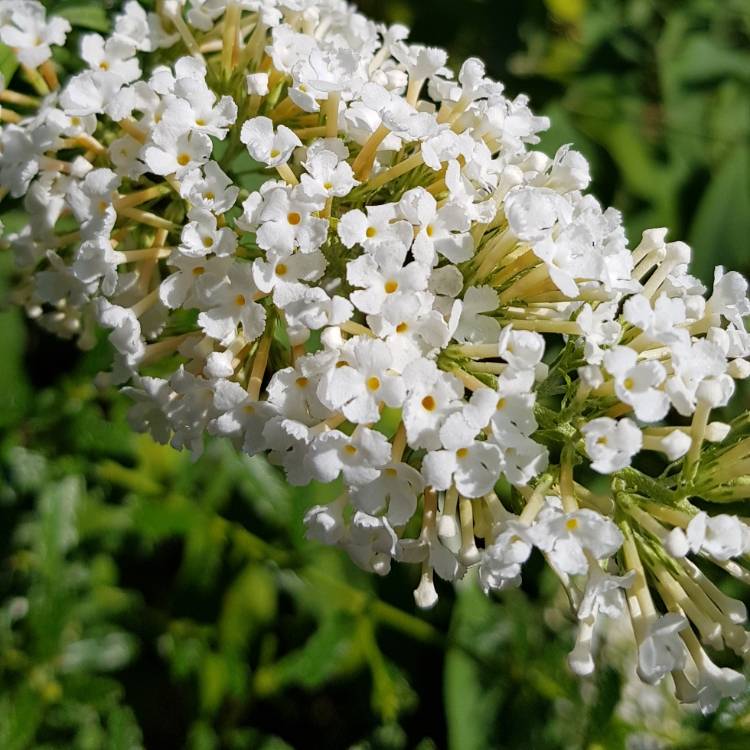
(385, 314)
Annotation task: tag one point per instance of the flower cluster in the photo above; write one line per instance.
(307, 235)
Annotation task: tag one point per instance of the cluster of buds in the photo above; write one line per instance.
(305, 234)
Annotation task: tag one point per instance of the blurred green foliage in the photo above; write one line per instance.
(146, 601)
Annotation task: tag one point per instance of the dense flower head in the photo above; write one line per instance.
(315, 239)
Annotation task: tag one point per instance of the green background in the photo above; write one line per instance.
(149, 602)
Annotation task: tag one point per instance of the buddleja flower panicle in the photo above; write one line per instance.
(308, 236)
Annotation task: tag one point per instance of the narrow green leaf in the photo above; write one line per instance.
(86, 15)
(720, 230)
(8, 63)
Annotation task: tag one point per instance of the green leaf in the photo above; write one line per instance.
(86, 15)
(21, 713)
(251, 601)
(471, 708)
(8, 63)
(328, 652)
(721, 227)
(123, 732)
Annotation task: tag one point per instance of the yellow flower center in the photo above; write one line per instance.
(199, 271)
(302, 382)
(628, 383)
(350, 449)
(371, 232)
(428, 403)
(391, 286)
(293, 218)
(281, 269)
(501, 404)
(183, 159)
(571, 524)
(462, 453)
(373, 383)
(240, 300)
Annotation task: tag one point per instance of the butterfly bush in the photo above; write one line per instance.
(303, 233)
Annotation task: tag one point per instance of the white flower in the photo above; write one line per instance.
(285, 221)
(288, 443)
(660, 323)
(473, 326)
(147, 414)
(443, 231)
(611, 444)
(721, 537)
(114, 56)
(358, 458)
(312, 310)
(284, 274)
(232, 306)
(25, 29)
(522, 350)
(326, 176)
(209, 188)
(565, 536)
(201, 236)
(396, 489)
(432, 396)
(362, 381)
(190, 285)
(662, 650)
(603, 596)
(473, 468)
(322, 73)
(257, 83)
(194, 106)
(272, 149)
(95, 92)
(385, 284)
(95, 260)
(142, 29)
(370, 542)
(239, 416)
(501, 563)
(126, 330)
(293, 391)
(637, 383)
(325, 523)
(190, 411)
(534, 212)
(695, 364)
(716, 683)
(91, 202)
(378, 226)
(176, 153)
